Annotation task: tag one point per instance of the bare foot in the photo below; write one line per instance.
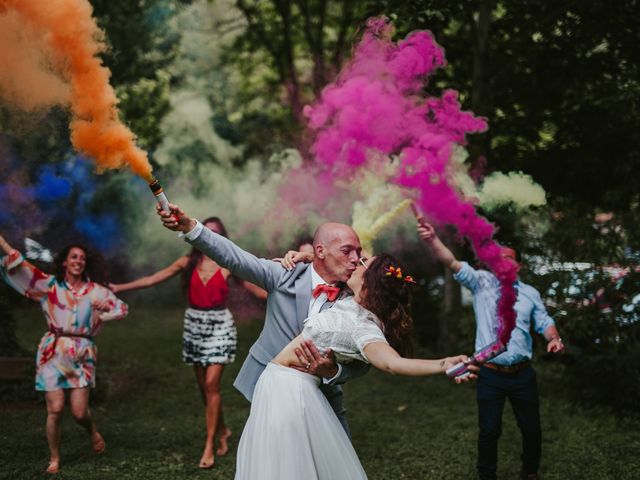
(223, 449)
(207, 460)
(54, 466)
(97, 443)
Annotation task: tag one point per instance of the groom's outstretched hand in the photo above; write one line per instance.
(176, 219)
(314, 362)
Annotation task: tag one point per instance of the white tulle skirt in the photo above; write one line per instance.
(293, 434)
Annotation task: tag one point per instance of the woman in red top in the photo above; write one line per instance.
(209, 337)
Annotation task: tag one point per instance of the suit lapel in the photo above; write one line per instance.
(303, 297)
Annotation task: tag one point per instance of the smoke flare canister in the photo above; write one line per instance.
(483, 355)
(161, 198)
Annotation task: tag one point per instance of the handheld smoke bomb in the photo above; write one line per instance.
(417, 213)
(158, 192)
(483, 355)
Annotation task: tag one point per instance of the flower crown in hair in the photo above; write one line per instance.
(396, 272)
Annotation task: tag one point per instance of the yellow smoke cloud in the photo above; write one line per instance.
(513, 188)
(516, 189)
(374, 213)
(459, 172)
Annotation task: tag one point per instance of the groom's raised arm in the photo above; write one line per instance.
(262, 272)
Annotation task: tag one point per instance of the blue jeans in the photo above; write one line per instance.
(522, 391)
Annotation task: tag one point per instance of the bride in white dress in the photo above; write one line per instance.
(292, 432)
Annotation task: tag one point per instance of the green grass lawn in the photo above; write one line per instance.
(148, 408)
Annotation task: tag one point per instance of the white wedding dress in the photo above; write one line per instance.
(292, 432)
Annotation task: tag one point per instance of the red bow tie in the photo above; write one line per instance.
(332, 292)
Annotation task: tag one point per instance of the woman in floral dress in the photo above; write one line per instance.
(75, 309)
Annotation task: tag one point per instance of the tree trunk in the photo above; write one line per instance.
(345, 25)
(314, 20)
(290, 80)
(481, 24)
(280, 48)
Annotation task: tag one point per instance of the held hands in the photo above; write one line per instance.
(449, 362)
(314, 362)
(176, 219)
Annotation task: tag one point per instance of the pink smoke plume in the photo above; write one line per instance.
(377, 107)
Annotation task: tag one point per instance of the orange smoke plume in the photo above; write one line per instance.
(73, 41)
(26, 79)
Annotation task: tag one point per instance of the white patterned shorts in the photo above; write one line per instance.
(209, 337)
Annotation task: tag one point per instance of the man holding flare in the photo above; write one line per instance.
(510, 374)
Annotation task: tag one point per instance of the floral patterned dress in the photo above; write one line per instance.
(67, 353)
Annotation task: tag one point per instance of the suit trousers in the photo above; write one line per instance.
(521, 389)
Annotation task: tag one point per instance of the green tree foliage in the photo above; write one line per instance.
(559, 87)
(557, 80)
(144, 104)
(197, 133)
(139, 35)
(142, 44)
(287, 53)
(226, 80)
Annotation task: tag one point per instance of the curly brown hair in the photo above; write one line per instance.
(389, 298)
(96, 268)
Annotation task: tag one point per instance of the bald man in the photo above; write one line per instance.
(290, 301)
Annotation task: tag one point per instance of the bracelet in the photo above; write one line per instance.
(556, 338)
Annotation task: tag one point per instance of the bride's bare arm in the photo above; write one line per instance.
(292, 257)
(385, 358)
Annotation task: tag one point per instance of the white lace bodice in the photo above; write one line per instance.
(346, 328)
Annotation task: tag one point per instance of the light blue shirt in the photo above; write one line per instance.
(485, 288)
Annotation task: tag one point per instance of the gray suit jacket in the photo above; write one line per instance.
(287, 307)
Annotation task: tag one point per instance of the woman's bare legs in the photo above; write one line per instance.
(55, 407)
(209, 382)
(223, 433)
(79, 401)
(199, 371)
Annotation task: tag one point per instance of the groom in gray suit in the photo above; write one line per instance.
(290, 301)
